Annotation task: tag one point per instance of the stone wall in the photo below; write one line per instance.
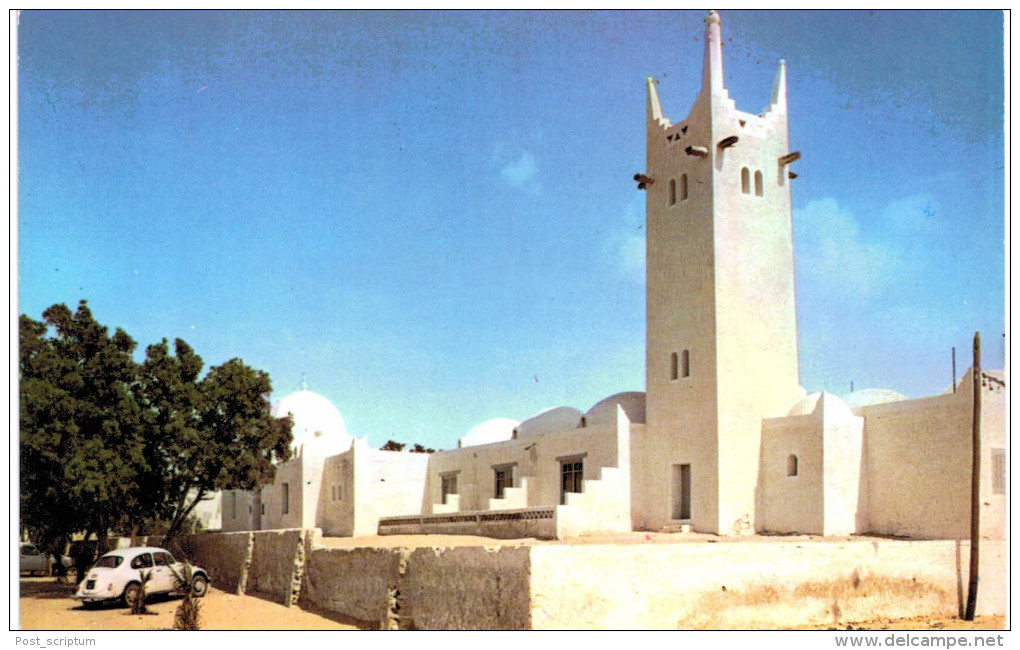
(755, 585)
(273, 563)
(224, 556)
(760, 584)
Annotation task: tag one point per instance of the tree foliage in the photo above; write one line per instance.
(81, 434)
(107, 443)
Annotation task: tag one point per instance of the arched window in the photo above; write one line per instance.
(791, 465)
(672, 192)
(759, 184)
(683, 187)
(745, 180)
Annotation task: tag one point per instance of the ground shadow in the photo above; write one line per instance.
(336, 617)
(47, 588)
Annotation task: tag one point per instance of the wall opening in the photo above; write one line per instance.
(672, 192)
(685, 363)
(745, 180)
(571, 477)
(759, 184)
(674, 366)
(998, 471)
(792, 465)
(285, 498)
(682, 491)
(449, 486)
(504, 478)
(683, 187)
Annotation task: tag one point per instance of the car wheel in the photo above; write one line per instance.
(131, 593)
(199, 586)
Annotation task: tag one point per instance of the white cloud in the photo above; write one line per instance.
(632, 258)
(522, 173)
(833, 256)
(918, 215)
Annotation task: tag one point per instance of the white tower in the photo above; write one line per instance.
(721, 322)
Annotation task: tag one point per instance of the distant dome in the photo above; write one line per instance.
(829, 402)
(558, 418)
(633, 404)
(317, 423)
(870, 397)
(495, 430)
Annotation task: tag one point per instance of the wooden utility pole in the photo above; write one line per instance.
(975, 483)
(954, 368)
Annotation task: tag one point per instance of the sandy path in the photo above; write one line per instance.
(46, 605)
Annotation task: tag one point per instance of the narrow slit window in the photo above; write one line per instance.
(759, 184)
(285, 498)
(683, 187)
(685, 363)
(674, 366)
(745, 180)
(998, 471)
(672, 192)
(792, 465)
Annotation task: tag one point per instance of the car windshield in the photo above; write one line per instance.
(109, 562)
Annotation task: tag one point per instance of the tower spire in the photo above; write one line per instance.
(779, 88)
(712, 77)
(654, 110)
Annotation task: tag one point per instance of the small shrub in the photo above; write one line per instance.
(138, 604)
(186, 616)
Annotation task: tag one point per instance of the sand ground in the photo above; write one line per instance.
(46, 605)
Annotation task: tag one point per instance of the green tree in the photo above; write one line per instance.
(231, 443)
(80, 429)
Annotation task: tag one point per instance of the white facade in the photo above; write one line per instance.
(725, 440)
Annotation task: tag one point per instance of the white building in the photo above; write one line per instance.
(724, 441)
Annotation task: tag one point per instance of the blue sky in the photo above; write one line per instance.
(431, 216)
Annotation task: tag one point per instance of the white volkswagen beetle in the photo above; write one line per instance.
(117, 576)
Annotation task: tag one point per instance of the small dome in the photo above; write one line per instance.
(604, 412)
(317, 423)
(827, 402)
(559, 418)
(870, 397)
(494, 430)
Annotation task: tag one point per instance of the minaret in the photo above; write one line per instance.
(721, 321)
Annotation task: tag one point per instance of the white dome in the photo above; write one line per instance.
(870, 397)
(495, 430)
(317, 423)
(633, 404)
(827, 402)
(551, 420)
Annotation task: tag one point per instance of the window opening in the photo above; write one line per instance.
(504, 479)
(449, 486)
(759, 184)
(572, 475)
(745, 180)
(792, 465)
